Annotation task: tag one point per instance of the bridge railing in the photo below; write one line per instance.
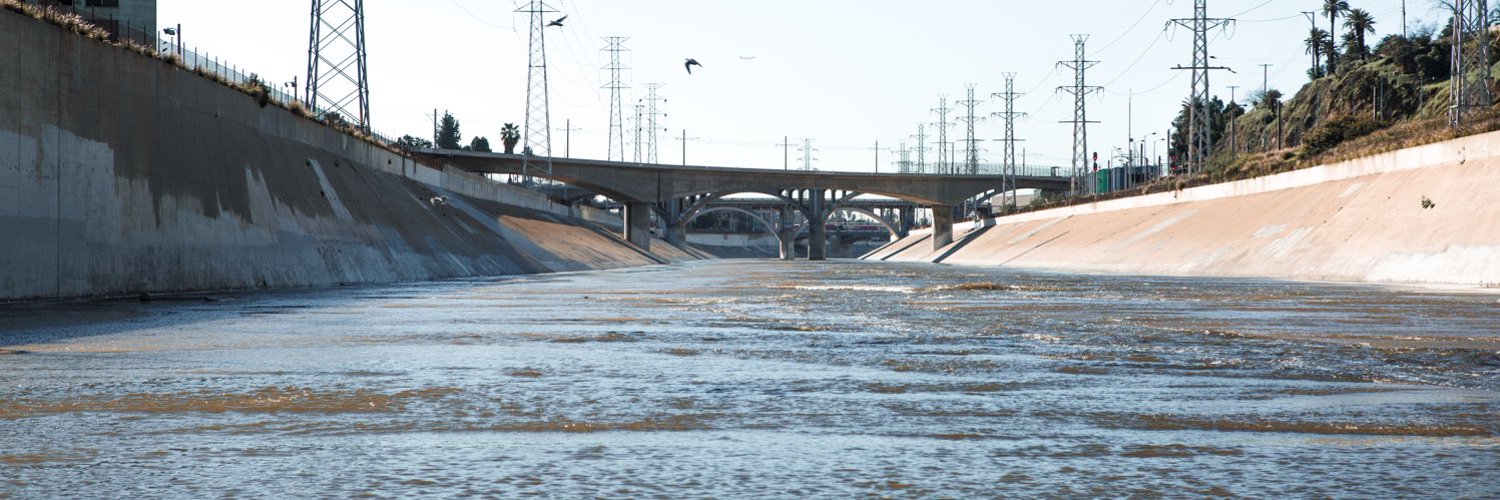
(995, 169)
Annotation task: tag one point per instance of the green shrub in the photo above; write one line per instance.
(1331, 133)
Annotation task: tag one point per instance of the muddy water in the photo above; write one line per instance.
(736, 379)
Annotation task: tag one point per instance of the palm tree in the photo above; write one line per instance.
(1316, 40)
(1332, 9)
(509, 136)
(1359, 22)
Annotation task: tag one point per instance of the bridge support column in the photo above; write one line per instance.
(788, 234)
(674, 228)
(638, 224)
(942, 226)
(817, 229)
(908, 218)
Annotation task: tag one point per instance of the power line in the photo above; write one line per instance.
(616, 102)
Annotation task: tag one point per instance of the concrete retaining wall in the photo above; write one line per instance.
(120, 174)
(1361, 220)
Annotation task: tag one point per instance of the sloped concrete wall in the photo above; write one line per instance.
(120, 174)
(1361, 221)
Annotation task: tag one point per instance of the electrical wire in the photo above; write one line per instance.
(1127, 31)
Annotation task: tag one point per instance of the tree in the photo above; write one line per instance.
(409, 142)
(510, 134)
(1316, 40)
(1360, 22)
(480, 144)
(448, 135)
(1333, 9)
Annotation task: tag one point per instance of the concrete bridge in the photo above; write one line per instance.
(677, 193)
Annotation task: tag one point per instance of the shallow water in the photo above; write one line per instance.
(760, 378)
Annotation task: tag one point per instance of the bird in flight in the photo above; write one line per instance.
(557, 22)
(690, 63)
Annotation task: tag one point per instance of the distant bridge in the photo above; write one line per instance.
(677, 193)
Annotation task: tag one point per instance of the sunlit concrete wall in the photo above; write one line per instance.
(1362, 220)
(121, 174)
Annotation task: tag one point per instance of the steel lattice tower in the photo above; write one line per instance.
(640, 113)
(616, 111)
(651, 115)
(921, 148)
(942, 125)
(1008, 164)
(1470, 84)
(807, 154)
(538, 133)
(1080, 91)
(971, 142)
(1200, 120)
(903, 165)
(337, 77)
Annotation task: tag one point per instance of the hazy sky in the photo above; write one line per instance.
(845, 73)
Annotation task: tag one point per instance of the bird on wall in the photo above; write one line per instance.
(690, 63)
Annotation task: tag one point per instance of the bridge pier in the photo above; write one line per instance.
(817, 229)
(942, 226)
(638, 224)
(787, 231)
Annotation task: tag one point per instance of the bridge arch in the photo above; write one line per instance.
(895, 234)
(770, 228)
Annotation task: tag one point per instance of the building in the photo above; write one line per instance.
(132, 19)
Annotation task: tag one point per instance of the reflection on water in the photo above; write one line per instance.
(760, 378)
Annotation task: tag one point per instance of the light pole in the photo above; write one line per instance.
(176, 34)
(293, 85)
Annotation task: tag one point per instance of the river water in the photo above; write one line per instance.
(759, 378)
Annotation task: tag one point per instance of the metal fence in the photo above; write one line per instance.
(125, 31)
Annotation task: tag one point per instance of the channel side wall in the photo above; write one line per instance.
(122, 174)
(1361, 220)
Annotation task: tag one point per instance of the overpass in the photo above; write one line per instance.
(675, 193)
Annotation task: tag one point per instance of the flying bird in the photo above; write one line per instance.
(689, 65)
(557, 22)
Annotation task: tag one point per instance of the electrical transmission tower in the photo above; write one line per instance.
(921, 148)
(942, 110)
(538, 118)
(337, 78)
(616, 111)
(1008, 164)
(1470, 84)
(1200, 120)
(1080, 92)
(904, 164)
(651, 116)
(807, 154)
(640, 113)
(971, 142)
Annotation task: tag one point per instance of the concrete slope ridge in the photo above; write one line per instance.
(1424, 215)
(121, 174)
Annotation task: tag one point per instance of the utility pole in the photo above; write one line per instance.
(1265, 78)
(877, 156)
(434, 127)
(1200, 120)
(1008, 164)
(538, 111)
(1080, 92)
(786, 149)
(651, 115)
(942, 124)
(1232, 142)
(567, 131)
(616, 84)
(1403, 18)
(1470, 84)
(971, 143)
(684, 147)
(337, 77)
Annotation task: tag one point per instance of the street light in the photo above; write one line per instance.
(293, 85)
(176, 34)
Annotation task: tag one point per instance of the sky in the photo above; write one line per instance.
(843, 73)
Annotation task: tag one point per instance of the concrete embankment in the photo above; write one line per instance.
(1363, 220)
(122, 174)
